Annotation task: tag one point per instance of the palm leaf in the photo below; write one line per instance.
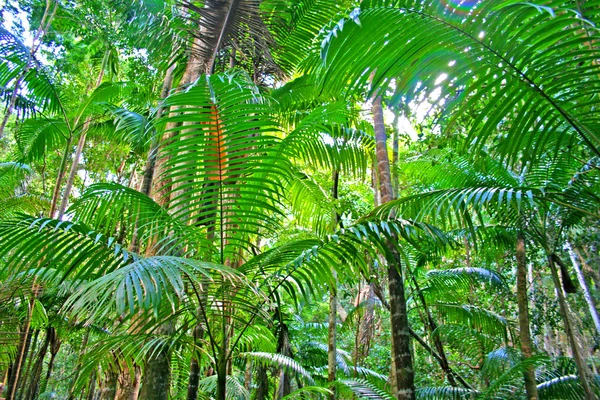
(529, 89)
(222, 160)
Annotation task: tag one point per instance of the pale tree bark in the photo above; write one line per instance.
(80, 145)
(523, 306)
(584, 372)
(332, 335)
(23, 348)
(37, 41)
(585, 288)
(402, 366)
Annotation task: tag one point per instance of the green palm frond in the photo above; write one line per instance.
(38, 136)
(228, 24)
(235, 389)
(472, 344)
(444, 393)
(57, 249)
(511, 380)
(222, 160)
(445, 169)
(280, 361)
(38, 92)
(541, 92)
(464, 278)
(305, 392)
(22, 204)
(144, 285)
(310, 204)
(298, 35)
(477, 318)
(500, 360)
(566, 387)
(116, 210)
(133, 128)
(366, 390)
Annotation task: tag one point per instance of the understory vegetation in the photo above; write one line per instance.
(299, 199)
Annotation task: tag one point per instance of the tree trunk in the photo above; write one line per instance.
(26, 369)
(17, 367)
(332, 329)
(523, 306)
(585, 288)
(332, 348)
(284, 347)
(403, 379)
(157, 371)
(60, 176)
(80, 145)
(263, 383)
(54, 348)
(128, 383)
(36, 373)
(585, 375)
(109, 386)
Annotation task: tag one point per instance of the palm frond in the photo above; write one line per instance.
(366, 390)
(529, 90)
(227, 23)
(464, 278)
(444, 393)
(222, 160)
(280, 361)
(566, 387)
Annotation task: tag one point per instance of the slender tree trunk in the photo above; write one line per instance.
(128, 382)
(248, 375)
(60, 176)
(263, 383)
(45, 23)
(523, 305)
(585, 288)
(26, 369)
(36, 374)
(73, 171)
(585, 375)
(109, 386)
(332, 329)
(157, 372)
(284, 347)
(54, 348)
(80, 145)
(332, 348)
(23, 348)
(402, 366)
(395, 145)
(430, 323)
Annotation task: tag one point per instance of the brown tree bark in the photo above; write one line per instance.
(523, 306)
(402, 366)
(36, 373)
(284, 347)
